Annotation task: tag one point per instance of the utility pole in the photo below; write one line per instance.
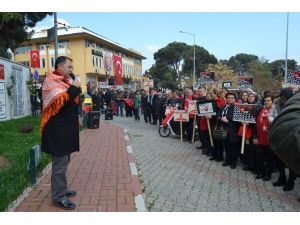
(286, 48)
(194, 59)
(55, 37)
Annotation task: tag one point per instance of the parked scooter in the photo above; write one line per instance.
(169, 126)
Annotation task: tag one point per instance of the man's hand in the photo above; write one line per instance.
(255, 141)
(76, 83)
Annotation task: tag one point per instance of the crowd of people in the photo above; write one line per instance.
(258, 157)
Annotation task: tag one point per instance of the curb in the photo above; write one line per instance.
(136, 184)
(16, 203)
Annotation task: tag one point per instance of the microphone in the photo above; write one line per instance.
(72, 76)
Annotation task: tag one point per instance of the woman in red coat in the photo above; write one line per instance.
(264, 154)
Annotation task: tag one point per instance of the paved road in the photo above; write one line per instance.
(177, 177)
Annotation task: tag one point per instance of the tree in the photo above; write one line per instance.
(171, 58)
(240, 62)
(203, 59)
(177, 59)
(13, 28)
(223, 73)
(262, 76)
(278, 66)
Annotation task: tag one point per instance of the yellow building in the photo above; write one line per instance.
(92, 56)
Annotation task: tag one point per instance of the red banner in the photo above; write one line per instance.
(35, 58)
(118, 69)
(1, 72)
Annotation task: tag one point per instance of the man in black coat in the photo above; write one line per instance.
(284, 134)
(60, 127)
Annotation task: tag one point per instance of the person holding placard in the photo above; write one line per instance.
(231, 142)
(249, 155)
(220, 103)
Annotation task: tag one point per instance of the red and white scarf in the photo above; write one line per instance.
(54, 95)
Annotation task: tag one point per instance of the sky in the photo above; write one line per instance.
(223, 34)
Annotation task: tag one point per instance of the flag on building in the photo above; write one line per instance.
(118, 69)
(35, 58)
(293, 77)
(1, 72)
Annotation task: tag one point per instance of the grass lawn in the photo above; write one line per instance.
(14, 157)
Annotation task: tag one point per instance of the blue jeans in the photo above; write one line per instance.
(119, 109)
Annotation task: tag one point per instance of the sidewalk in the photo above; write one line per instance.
(100, 173)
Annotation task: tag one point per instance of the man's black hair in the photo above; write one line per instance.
(286, 92)
(61, 60)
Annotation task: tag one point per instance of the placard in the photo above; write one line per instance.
(192, 109)
(181, 116)
(244, 113)
(205, 109)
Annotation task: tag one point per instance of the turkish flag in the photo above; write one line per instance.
(1, 72)
(118, 69)
(35, 58)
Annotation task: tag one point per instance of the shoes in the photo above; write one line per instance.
(259, 176)
(280, 182)
(233, 166)
(71, 193)
(198, 147)
(267, 178)
(210, 153)
(219, 159)
(204, 151)
(246, 168)
(212, 158)
(65, 204)
(288, 186)
(226, 164)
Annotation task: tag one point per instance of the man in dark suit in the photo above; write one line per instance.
(60, 127)
(152, 99)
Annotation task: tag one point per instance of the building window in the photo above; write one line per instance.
(43, 63)
(42, 46)
(64, 44)
(26, 63)
(52, 61)
(138, 61)
(23, 49)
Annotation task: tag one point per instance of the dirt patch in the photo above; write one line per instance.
(3, 163)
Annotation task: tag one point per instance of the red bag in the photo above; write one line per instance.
(248, 132)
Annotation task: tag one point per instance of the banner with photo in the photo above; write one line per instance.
(108, 63)
(244, 113)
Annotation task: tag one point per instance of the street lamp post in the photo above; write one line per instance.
(286, 48)
(194, 67)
